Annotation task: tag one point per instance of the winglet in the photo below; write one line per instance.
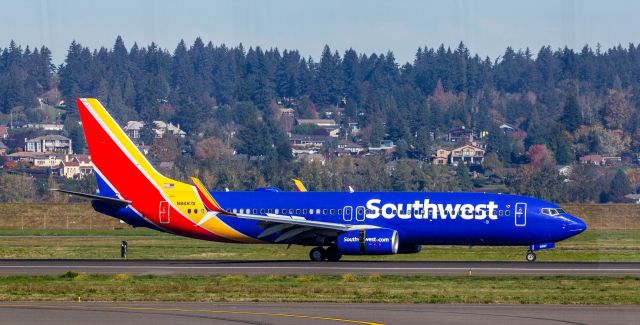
(299, 186)
(209, 202)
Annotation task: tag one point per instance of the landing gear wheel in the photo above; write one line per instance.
(531, 257)
(317, 254)
(332, 254)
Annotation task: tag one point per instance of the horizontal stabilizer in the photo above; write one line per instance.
(93, 196)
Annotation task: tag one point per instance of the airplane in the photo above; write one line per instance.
(332, 223)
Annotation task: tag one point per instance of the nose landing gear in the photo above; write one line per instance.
(531, 256)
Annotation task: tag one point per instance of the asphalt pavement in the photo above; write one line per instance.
(53, 313)
(168, 267)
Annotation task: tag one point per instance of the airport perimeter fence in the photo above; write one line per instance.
(81, 216)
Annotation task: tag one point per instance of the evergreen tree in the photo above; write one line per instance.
(619, 186)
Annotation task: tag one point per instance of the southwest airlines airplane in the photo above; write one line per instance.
(333, 223)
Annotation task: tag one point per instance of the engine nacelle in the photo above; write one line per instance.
(368, 242)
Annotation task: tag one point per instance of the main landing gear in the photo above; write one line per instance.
(318, 254)
(531, 256)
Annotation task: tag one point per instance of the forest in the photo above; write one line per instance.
(562, 103)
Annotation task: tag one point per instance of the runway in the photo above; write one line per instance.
(303, 313)
(203, 267)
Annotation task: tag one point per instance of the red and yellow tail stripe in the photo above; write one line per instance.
(135, 179)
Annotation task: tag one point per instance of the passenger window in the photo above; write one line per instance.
(304, 211)
(500, 212)
(317, 211)
(340, 212)
(290, 211)
(202, 211)
(324, 211)
(189, 211)
(235, 211)
(297, 211)
(507, 212)
(271, 210)
(255, 211)
(195, 211)
(310, 211)
(261, 211)
(331, 211)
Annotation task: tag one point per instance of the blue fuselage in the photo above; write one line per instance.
(418, 217)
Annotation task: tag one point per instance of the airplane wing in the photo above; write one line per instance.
(292, 228)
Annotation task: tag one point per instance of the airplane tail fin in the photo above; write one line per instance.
(122, 171)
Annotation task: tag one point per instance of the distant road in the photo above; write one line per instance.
(162, 267)
(309, 313)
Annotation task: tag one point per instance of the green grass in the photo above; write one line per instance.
(307, 288)
(593, 245)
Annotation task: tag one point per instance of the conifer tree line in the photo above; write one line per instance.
(569, 103)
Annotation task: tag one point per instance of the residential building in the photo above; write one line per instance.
(161, 128)
(440, 156)
(3, 148)
(37, 159)
(461, 134)
(325, 123)
(592, 159)
(384, 145)
(49, 143)
(467, 154)
(348, 148)
(305, 141)
(74, 167)
(46, 126)
(134, 129)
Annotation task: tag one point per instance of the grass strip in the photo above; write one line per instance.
(348, 288)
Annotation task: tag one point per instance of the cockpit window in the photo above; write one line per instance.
(552, 212)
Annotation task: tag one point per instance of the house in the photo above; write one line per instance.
(161, 128)
(334, 133)
(385, 145)
(49, 143)
(3, 148)
(440, 156)
(324, 123)
(4, 132)
(134, 129)
(460, 134)
(37, 159)
(305, 141)
(612, 161)
(46, 126)
(467, 154)
(347, 148)
(74, 167)
(565, 170)
(592, 159)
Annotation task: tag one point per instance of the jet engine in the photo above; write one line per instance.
(368, 242)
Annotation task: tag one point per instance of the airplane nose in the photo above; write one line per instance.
(575, 225)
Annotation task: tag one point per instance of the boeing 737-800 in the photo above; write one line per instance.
(333, 223)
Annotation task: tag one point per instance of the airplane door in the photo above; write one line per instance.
(347, 213)
(164, 212)
(360, 213)
(521, 214)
